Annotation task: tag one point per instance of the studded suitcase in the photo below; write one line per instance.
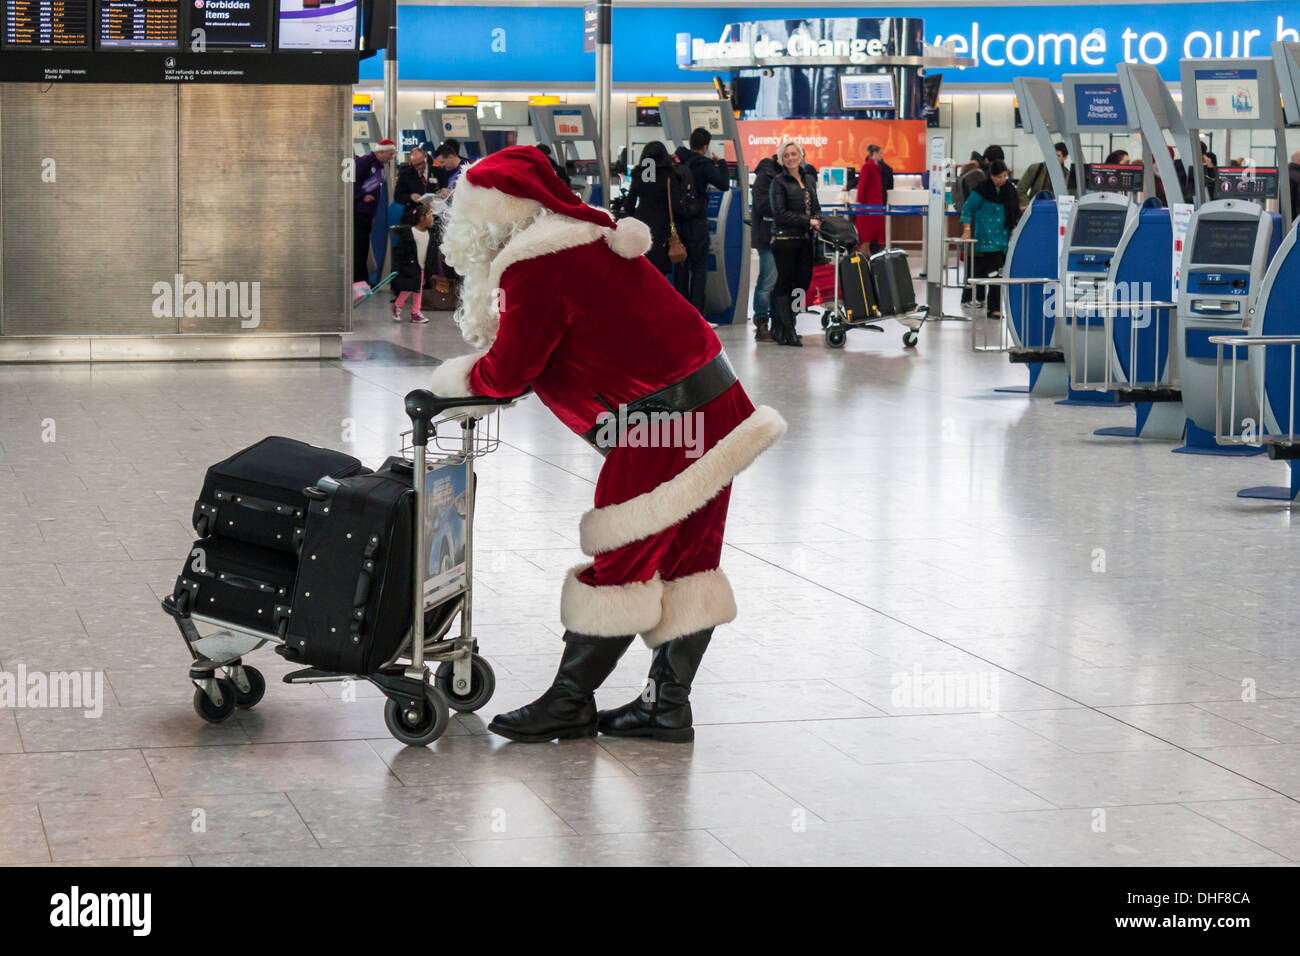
(256, 495)
(237, 583)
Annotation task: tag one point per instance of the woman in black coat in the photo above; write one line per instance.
(415, 255)
(647, 200)
(796, 216)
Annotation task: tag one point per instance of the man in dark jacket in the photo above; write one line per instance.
(367, 181)
(691, 276)
(412, 183)
(760, 238)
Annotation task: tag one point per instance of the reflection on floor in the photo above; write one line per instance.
(970, 633)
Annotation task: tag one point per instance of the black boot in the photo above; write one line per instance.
(666, 715)
(568, 708)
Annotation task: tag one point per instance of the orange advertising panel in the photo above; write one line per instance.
(838, 142)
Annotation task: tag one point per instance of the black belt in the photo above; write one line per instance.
(685, 395)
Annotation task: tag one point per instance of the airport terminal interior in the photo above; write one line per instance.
(1000, 431)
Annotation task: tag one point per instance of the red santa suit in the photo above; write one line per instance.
(589, 324)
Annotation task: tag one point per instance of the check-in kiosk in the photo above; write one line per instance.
(1229, 244)
(570, 130)
(365, 129)
(1032, 264)
(1267, 361)
(727, 287)
(458, 123)
(1097, 222)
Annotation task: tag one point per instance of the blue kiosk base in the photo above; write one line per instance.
(1275, 492)
(1046, 379)
(1201, 442)
(1076, 396)
(1156, 421)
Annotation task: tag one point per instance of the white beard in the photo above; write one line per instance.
(470, 247)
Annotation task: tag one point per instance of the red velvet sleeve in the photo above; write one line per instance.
(533, 320)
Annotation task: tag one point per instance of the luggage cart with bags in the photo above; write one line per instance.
(357, 574)
(866, 290)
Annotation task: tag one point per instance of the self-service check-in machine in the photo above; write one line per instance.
(1229, 244)
(727, 287)
(458, 123)
(570, 130)
(365, 129)
(1267, 361)
(1097, 223)
(1138, 306)
(1032, 263)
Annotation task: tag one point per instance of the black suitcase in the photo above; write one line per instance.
(857, 292)
(892, 273)
(236, 582)
(840, 232)
(255, 495)
(353, 598)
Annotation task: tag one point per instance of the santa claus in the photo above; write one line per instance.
(567, 305)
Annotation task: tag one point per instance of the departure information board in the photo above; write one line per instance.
(231, 24)
(35, 24)
(138, 25)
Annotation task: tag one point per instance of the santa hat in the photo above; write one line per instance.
(519, 181)
(384, 144)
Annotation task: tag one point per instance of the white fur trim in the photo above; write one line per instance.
(613, 610)
(604, 529)
(451, 378)
(553, 233)
(481, 204)
(693, 603)
(631, 238)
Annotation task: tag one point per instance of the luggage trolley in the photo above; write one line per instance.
(1270, 367)
(1017, 338)
(417, 710)
(836, 319)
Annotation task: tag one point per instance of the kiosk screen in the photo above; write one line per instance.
(1098, 228)
(1225, 242)
(61, 24)
(139, 25)
(232, 24)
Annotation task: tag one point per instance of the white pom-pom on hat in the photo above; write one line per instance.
(630, 238)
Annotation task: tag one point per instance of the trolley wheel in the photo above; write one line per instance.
(482, 685)
(256, 688)
(212, 713)
(909, 339)
(835, 337)
(424, 730)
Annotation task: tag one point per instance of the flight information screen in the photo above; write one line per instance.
(35, 24)
(232, 24)
(138, 25)
(1098, 228)
(1225, 242)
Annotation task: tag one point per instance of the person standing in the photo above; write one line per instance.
(411, 259)
(368, 180)
(761, 239)
(796, 216)
(648, 200)
(412, 183)
(989, 214)
(871, 229)
(447, 164)
(690, 277)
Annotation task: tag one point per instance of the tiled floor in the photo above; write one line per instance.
(970, 633)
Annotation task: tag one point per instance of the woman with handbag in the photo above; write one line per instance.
(647, 199)
(796, 216)
(990, 213)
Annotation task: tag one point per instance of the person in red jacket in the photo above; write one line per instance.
(568, 306)
(871, 229)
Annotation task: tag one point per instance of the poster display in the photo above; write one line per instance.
(446, 506)
(1100, 104)
(318, 25)
(1227, 94)
(231, 24)
(706, 117)
(568, 123)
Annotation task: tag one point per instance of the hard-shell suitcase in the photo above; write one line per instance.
(857, 293)
(236, 582)
(353, 598)
(256, 495)
(892, 274)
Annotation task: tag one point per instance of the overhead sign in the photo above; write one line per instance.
(590, 18)
(838, 142)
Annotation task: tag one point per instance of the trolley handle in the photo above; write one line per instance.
(422, 407)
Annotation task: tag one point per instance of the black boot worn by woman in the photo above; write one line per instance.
(663, 711)
(568, 708)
